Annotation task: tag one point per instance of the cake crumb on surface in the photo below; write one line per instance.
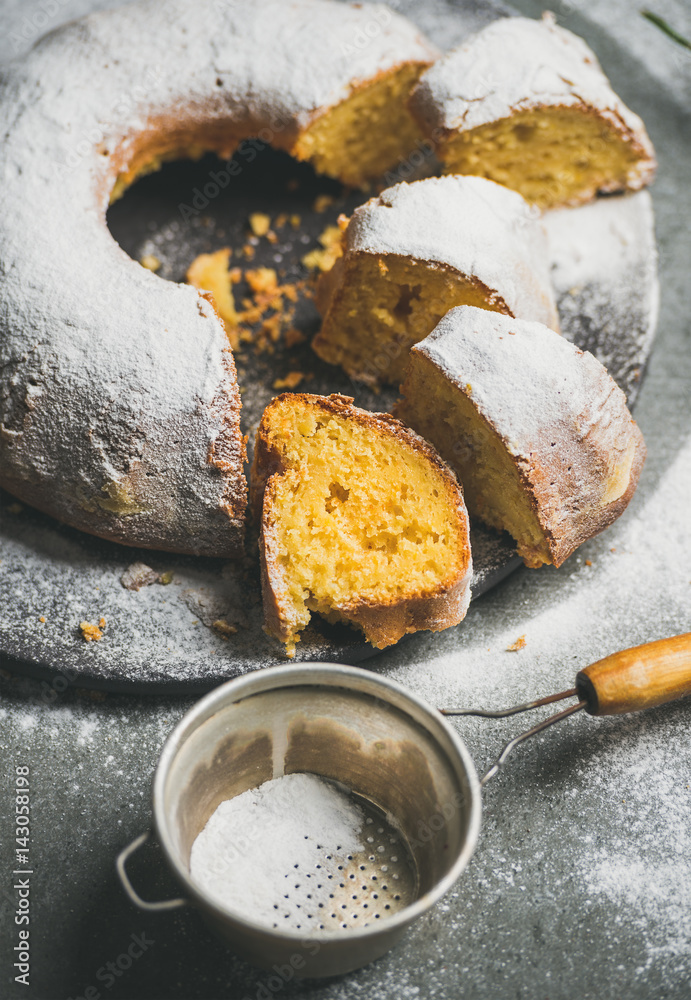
(291, 380)
(325, 258)
(92, 633)
(260, 223)
(224, 628)
(138, 575)
(293, 336)
(210, 272)
(322, 202)
(520, 643)
(150, 262)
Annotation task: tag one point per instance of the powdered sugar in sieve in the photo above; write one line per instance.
(302, 853)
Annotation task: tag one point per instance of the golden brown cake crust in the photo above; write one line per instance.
(383, 623)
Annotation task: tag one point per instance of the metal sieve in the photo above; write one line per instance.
(404, 765)
(402, 762)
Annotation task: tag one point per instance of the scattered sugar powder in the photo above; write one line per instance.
(274, 850)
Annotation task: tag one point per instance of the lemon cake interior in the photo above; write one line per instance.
(415, 252)
(525, 103)
(361, 521)
(341, 142)
(389, 303)
(552, 156)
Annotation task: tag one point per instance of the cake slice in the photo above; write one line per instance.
(417, 251)
(361, 521)
(536, 430)
(525, 103)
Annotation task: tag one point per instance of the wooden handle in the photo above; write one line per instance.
(638, 678)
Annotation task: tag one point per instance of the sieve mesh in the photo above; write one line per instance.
(357, 889)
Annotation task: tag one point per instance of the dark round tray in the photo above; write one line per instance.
(162, 636)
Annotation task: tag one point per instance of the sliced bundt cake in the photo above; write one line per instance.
(417, 251)
(361, 521)
(526, 104)
(536, 430)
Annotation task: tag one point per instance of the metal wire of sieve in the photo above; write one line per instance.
(367, 886)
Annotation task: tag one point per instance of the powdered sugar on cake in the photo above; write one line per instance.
(478, 227)
(522, 378)
(518, 63)
(121, 408)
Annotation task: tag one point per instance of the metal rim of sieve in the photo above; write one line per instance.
(319, 675)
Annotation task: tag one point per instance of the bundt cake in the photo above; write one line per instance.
(119, 408)
(417, 251)
(361, 521)
(536, 430)
(526, 104)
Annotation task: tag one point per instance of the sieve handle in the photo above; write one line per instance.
(638, 678)
(123, 856)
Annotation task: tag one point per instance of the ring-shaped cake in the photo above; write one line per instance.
(119, 405)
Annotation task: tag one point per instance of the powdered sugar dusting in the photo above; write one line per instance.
(284, 839)
(611, 798)
(542, 395)
(613, 237)
(481, 229)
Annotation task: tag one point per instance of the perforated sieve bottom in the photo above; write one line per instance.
(351, 890)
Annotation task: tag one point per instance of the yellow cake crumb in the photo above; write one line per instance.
(262, 279)
(296, 220)
(150, 262)
(271, 328)
(520, 643)
(324, 259)
(224, 628)
(210, 272)
(291, 380)
(42, 619)
(322, 202)
(92, 633)
(264, 308)
(260, 223)
(293, 336)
